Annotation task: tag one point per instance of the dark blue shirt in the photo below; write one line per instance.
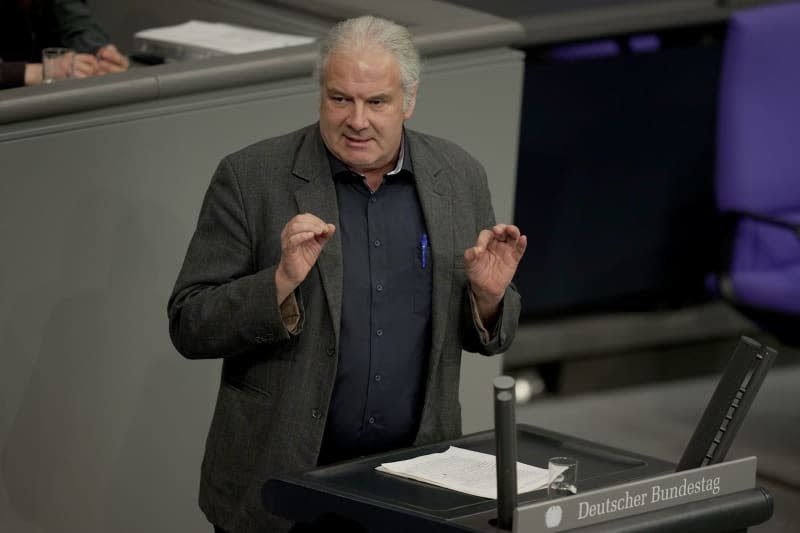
(386, 315)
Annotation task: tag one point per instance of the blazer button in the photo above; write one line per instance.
(330, 351)
(315, 413)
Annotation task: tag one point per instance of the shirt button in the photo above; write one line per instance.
(379, 332)
(315, 413)
(373, 199)
(377, 377)
(379, 287)
(372, 420)
(377, 242)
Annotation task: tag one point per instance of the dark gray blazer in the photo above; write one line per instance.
(276, 387)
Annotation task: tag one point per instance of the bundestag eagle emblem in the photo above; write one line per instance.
(552, 518)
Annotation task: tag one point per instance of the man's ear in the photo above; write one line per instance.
(411, 103)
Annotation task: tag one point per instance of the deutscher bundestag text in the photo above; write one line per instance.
(655, 494)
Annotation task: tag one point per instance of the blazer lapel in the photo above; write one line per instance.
(433, 187)
(316, 194)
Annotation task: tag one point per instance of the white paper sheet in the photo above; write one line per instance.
(222, 37)
(465, 471)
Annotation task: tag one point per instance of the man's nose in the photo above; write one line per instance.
(358, 117)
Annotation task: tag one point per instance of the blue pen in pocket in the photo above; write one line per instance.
(423, 249)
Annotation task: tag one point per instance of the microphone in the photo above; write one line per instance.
(505, 438)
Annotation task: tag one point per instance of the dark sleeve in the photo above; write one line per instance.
(221, 305)
(12, 74)
(76, 26)
(506, 327)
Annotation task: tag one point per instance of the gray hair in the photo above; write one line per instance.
(355, 33)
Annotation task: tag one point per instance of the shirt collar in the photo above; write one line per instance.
(340, 170)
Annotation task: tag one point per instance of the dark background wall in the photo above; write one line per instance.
(615, 177)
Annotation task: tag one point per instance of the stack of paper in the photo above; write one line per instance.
(204, 39)
(464, 471)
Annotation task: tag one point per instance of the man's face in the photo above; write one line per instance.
(361, 109)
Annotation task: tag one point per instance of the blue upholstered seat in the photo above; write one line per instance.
(758, 167)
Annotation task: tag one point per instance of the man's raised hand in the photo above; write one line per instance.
(302, 240)
(490, 266)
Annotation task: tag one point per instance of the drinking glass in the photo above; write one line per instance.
(563, 476)
(57, 64)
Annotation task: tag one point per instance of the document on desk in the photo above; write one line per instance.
(221, 38)
(464, 471)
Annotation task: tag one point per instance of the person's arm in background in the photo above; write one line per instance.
(80, 30)
(68, 23)
(17, 73)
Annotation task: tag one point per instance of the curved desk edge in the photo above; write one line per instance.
(151, 83)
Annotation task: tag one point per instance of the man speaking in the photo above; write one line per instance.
(339, 271)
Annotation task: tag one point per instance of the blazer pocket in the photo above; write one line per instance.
(239, 428)
(247, 388)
